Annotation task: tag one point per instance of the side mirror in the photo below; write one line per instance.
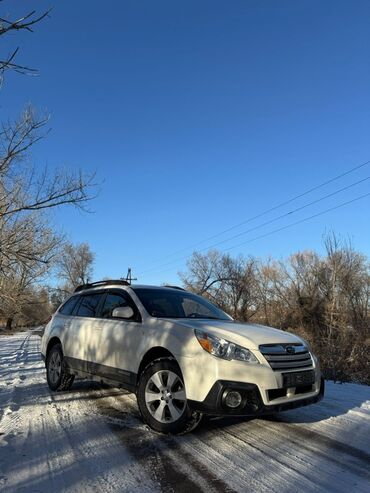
(123, 312)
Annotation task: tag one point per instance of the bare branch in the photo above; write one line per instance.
(24, 22)
(22, 189)
(20, 69)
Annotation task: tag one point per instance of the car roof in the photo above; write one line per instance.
(113, 284)
(148, 286)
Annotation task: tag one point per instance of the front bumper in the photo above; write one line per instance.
(252, 403)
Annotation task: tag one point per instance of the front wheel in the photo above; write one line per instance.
(162, 398)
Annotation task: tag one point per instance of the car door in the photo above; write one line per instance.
(119, 338)
(83, 341)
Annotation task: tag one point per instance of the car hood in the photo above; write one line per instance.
(244, 334)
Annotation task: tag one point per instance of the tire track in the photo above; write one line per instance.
(299, 451)
(312, 440)
(174, 469)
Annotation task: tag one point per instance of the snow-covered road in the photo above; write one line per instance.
(91, 439)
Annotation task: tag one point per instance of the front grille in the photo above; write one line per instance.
(282, 357)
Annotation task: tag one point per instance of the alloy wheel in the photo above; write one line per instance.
(165, 396)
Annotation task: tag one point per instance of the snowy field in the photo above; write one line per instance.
(91, 439)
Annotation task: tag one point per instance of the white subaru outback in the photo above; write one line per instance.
(180, 354)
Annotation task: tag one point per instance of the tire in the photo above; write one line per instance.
(162, 399)
(56, 372)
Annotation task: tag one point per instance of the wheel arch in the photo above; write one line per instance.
(53, 341)
(151, 355)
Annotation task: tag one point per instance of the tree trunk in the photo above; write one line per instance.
(9, 322)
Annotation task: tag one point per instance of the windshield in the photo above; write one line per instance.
(171, 303)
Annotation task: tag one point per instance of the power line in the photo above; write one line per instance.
(300, 221)
(278, 206)
(286, 214)
(270, 221)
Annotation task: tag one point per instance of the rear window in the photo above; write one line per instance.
(68, 306)
(89, 305)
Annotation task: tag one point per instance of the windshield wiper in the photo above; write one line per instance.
(206, 318)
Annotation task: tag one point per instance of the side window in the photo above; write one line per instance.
(89, 305)
(68, 306)
(112, 301)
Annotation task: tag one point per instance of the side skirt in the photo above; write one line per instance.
(102, 373)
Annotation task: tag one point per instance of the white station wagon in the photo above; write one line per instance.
(180, 354)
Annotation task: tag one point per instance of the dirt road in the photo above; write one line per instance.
(91, 439)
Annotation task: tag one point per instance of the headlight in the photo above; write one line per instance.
(224, 349)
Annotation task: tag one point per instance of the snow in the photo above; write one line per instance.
(91, 439)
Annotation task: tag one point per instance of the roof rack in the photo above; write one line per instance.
(82, 287)
(174, 287)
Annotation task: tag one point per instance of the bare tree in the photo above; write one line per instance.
(75, 265)
(23, 304)
(269, 293)
(24, 187)
(226, 281)
(28, 251)
(38, 309)
(27, 243)
(205, 273)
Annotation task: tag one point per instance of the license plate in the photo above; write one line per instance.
(298, 378)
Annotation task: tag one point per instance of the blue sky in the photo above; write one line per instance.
(197, 116)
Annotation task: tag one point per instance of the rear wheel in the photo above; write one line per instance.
(56, 373)
(162, 398)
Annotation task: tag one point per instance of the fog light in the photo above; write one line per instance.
(233, 399)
